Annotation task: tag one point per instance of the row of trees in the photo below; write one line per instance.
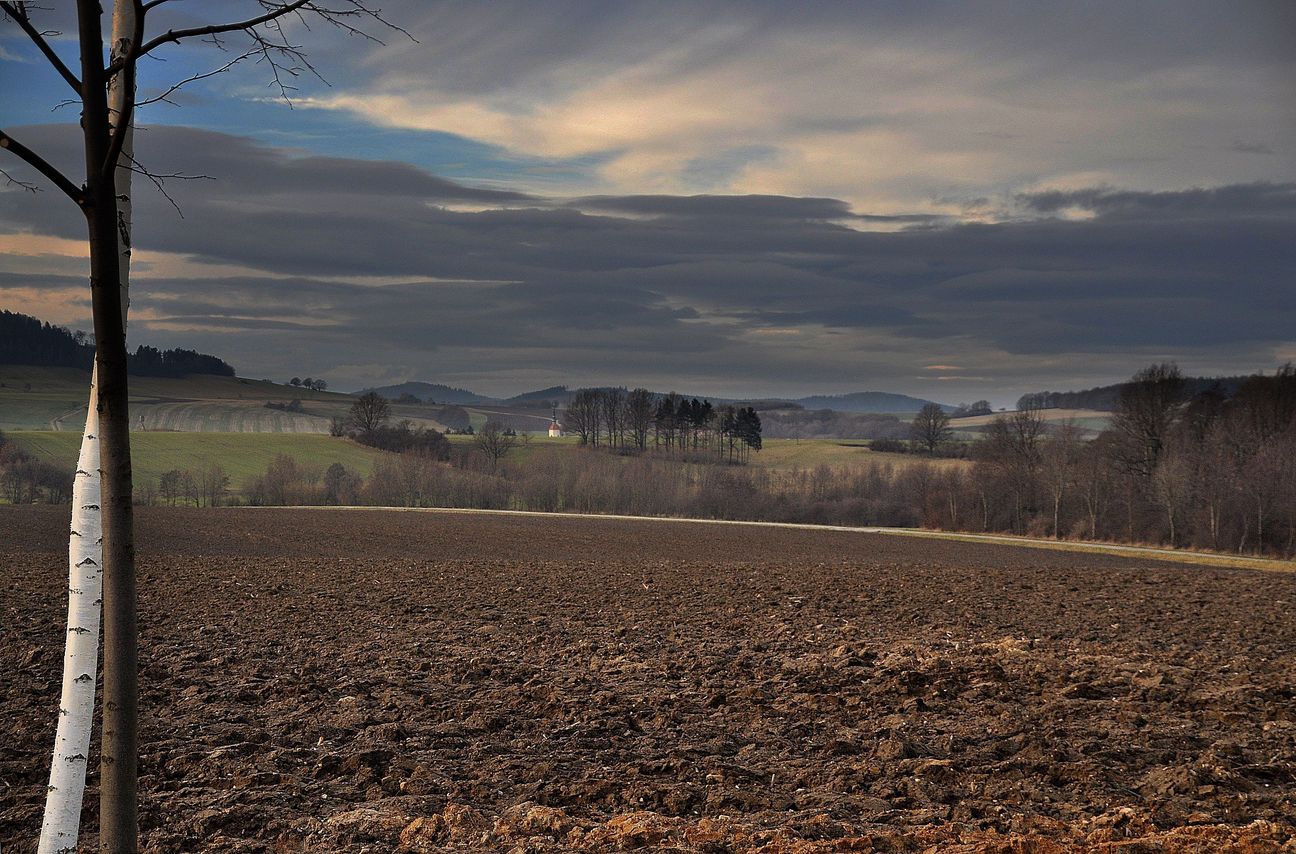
(24, 340)
(309, 383)
(617, 418)
(971, 410)
(206, 486)
(1107, 397)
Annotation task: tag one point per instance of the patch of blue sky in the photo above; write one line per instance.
(239, 104)
(717, 170)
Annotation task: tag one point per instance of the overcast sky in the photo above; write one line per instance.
(956, 200)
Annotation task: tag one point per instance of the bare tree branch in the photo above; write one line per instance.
(216, 29)
(340, 16)
(43, 166)
(202, 75)
(18, 11)
(159, 179)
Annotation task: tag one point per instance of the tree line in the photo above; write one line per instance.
(1106, 398)
(637, 419)
(24, 340)
(205, 486)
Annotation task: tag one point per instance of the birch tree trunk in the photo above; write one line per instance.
(60, 829)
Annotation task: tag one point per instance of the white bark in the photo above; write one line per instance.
(61, 827)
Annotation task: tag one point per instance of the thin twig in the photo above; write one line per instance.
(159, 180)
(26, 185)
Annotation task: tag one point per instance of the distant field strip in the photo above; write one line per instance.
(1092, 419)
(223, 417)
(1175, 555)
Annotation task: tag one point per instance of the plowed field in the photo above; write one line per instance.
(371, 681)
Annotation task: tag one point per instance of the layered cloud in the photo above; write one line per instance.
(366, 270)
(935, 107)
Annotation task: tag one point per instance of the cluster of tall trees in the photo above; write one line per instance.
(24, 340)
(151, 362)
(973, 409)
(311, 383)
(617, 418)
(1210, 469)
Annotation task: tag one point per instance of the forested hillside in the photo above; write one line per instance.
(25, 340)
(1106, 398)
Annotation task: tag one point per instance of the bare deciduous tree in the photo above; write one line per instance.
(1058, 463)
(639, 416)
(582, 416)
(494, 442)
(1146, 411)
(370, 411)
(931, 427)
(612, 406)
(1012, 445)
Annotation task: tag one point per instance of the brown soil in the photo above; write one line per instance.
(369, 681)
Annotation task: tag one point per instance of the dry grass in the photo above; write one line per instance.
(783, 454)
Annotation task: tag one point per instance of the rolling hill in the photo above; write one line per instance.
(866, 401)
(430, 392)
(53, 398)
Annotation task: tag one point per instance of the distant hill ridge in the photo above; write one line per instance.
(860, 401)
(429, 392)
(867, 401)
(556, 393)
